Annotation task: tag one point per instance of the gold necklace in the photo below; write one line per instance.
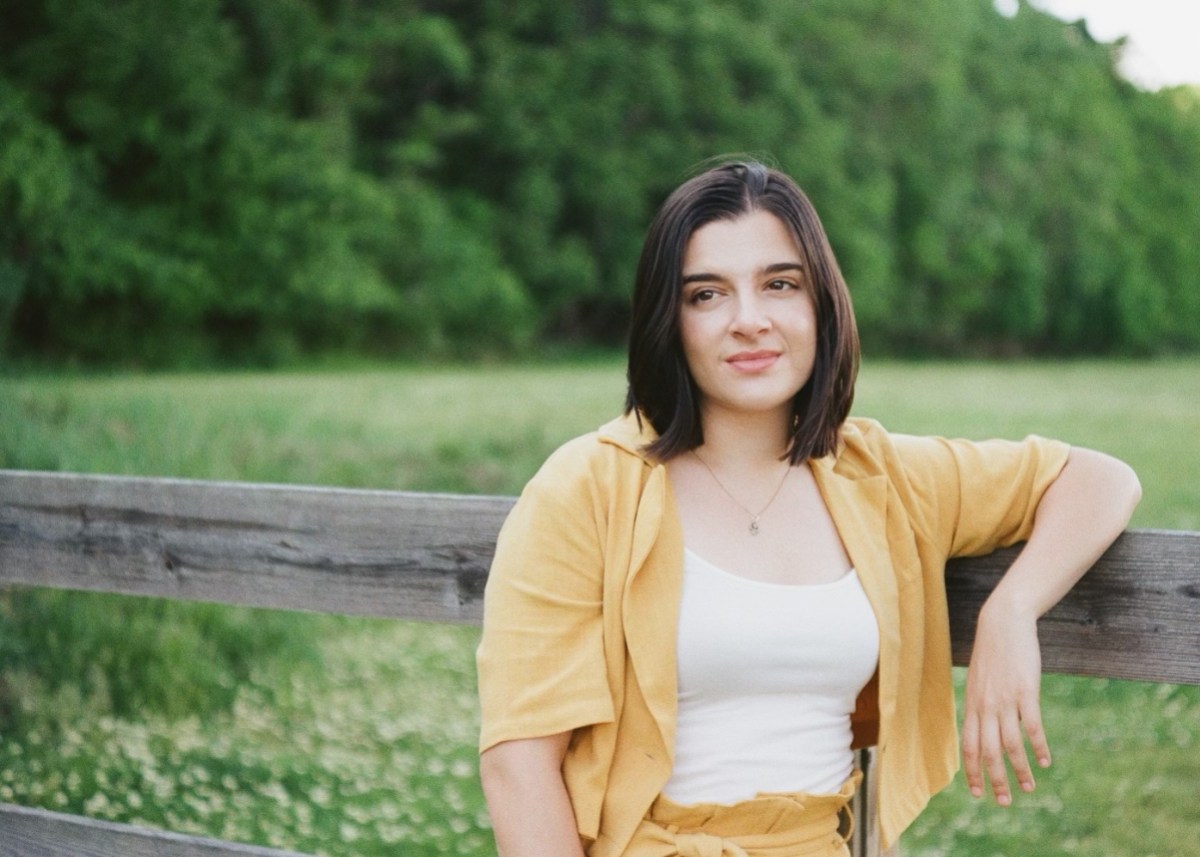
(754, 516)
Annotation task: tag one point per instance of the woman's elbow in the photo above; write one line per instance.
(499, 768)
(1133, 488)
(1126, 488)
(1112, 482)
(510, 764)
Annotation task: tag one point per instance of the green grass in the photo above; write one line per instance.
(477, 429)
(372, 744)
(373, 751)
(1147, 414)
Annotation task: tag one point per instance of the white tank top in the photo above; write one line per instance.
(768, 678)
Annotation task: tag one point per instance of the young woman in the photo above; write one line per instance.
(696, 612)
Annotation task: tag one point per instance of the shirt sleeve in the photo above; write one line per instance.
(973, 497)
(541, 659)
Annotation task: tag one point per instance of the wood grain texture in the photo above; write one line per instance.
(40, 833)
(1135, 615)
(376, 553)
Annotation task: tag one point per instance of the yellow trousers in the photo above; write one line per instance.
(789, 824)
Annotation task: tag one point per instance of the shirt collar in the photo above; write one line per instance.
(631, 432)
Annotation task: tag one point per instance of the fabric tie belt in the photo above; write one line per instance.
(704, 845)
(793, 824)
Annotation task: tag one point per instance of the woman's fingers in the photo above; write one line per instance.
(970, 752)
(993, 760)
(1002, 705)
(1013, 741)
(993, 738)
(1031, 717)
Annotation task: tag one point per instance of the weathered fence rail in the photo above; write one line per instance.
(425, 556)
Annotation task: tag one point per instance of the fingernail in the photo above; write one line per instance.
(976, 791)
(1028, 785)
(1003, 800)
(1044, 761)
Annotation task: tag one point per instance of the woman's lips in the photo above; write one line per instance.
(753, 361)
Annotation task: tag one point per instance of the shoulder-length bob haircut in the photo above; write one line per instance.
(661, 388)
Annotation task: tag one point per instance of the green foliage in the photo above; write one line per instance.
(195, 181)
(126, 655)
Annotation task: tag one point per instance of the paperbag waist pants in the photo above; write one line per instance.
(786, 824)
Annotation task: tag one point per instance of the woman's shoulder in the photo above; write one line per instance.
(863, 443)
(867, 447)
(618, 445)
(863, 432)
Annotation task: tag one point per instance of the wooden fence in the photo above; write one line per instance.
(425, 556)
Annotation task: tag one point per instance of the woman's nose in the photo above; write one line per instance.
(750, 316)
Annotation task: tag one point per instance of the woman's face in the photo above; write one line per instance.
(747, 321)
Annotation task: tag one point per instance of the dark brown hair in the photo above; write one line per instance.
(661, 388)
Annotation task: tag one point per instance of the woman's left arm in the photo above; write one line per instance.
(1081, 513)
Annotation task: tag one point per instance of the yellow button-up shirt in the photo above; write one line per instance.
(582, 604)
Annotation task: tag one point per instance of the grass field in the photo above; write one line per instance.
(370, 743)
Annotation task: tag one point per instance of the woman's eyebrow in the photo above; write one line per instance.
(775, 268)
(779, 267)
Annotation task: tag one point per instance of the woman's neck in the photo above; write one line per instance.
(745, 440)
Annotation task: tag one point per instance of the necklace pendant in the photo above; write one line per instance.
(754, 526)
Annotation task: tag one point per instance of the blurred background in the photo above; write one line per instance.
(197, 182)
(390, 244)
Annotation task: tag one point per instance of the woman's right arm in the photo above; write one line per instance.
(543, 673)
(527, 799)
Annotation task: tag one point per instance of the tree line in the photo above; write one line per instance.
(189, 182)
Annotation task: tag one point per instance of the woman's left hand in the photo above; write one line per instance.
(1081, 513)
(1003, 702)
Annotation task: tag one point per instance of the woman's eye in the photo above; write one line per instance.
(780, 285)
(702, 295)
